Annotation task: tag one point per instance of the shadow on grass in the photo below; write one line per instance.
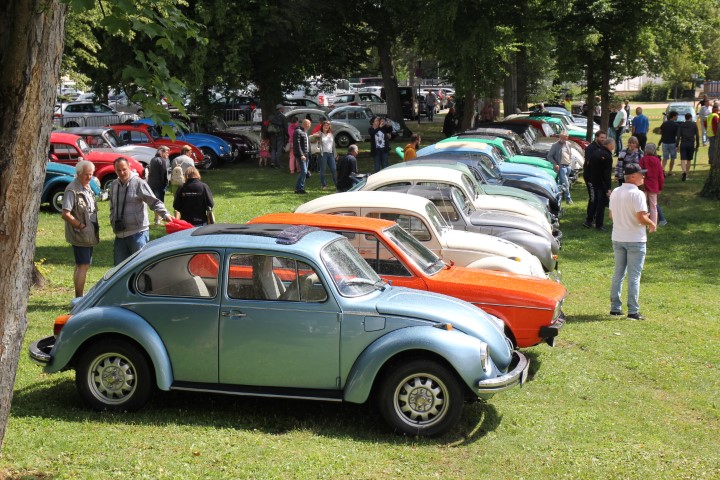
(57, 399)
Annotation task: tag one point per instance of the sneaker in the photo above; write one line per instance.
(662, 223)
(684, 176)
(309, 174)
(601, 229)
(300, 191)
(324, 187)
(587, 225)
(616, 313)
(635, 316)
(570, 202)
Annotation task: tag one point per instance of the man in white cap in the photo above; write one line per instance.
(629, 213)
(279, 136)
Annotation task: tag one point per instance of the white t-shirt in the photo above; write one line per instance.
(625, 202)
(327, 142)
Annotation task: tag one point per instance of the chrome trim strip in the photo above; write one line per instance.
(512, 306)
(267, 395)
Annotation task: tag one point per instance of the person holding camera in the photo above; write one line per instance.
(128, 217)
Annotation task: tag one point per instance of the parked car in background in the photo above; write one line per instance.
(82, 114)
(681, 108)
(518, 139)
(356, 98)
(245, 145)
(215, 149)
(357, 116)
(278, 311)
(69, 149)
(345, 134)
(141, 134)
(57, 178)
(236, 108)
(530, 308)
(105, 139)
(423, 220)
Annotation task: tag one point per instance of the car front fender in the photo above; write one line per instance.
(51, 184)
(95, 322)
(463, 352)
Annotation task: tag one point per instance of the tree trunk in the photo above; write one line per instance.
(392, 96)
(522, 97)
(589, 132)
(32, 40)
(510, 88)
(605, 88)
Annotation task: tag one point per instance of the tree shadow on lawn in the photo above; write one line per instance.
(56, 398)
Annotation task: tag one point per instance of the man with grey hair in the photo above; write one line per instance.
(560, 155)
(79, 210)
(347, 168)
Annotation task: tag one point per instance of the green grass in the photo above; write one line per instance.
(614, 399)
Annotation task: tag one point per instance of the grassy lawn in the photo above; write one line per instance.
(614, 398)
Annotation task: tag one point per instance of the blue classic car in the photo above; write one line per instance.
(215, 149)
(57, 177)
(272, 310)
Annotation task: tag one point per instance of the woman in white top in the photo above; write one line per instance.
(328, 156)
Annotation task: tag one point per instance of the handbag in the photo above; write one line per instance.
(287, 147)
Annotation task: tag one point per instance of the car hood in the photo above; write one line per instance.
(137, 151)
(506, 220)
(405, 302)
(204, 139)
(501, 288)
(523, 169)
(463, 240)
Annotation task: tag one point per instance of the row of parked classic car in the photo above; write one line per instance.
(414, 292)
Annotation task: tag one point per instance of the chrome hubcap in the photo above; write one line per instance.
(421, 400)
(112, 378)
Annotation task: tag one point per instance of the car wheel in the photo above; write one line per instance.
(107, 180)
(343, 140)
(211, 159)
(421, 398)
(71, 125)
(114, 375)
(56, 198)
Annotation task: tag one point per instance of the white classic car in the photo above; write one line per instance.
(421, 218)
(105, 139)
(453, 177)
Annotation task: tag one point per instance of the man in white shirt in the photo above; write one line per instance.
(619, 126)
(629, 213)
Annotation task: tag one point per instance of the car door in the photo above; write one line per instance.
(414, 224)
(279, 327)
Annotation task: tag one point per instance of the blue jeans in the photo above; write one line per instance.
(277, 143)
(380, 159)
(564, 181)
(328, 159)
(124, 247)
(302, 174)
(629, 257)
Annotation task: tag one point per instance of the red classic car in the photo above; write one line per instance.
(531, 308)
(545, 129)
(139, 134)
(70, 149)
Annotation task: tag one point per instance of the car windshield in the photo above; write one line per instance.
(113, 139)
(418, 253)
(436, 219)
(462, 200)
(489, 167)
(509, 147)
(83, 146)
(350, 272)
(499, 153)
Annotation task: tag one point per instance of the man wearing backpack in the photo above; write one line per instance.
(279, 137)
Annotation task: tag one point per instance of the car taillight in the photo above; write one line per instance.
(253, 106)
(60, 323)
(354, 104)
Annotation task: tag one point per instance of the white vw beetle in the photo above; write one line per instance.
(421, 218)
(452, 177)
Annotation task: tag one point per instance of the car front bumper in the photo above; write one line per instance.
(40, 350)
(516, 376)
(549, 333)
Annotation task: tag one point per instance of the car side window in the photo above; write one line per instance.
(412, 224)
(390, 186)
(65, 152)
(193, 275)
(267, 277)
(447, 209)
(138, 137)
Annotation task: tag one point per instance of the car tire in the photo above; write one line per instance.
(343, 140)
(56, 198)
(211, 159)
(107, 180)
(114, 375)
(421, 397)
(71, 125)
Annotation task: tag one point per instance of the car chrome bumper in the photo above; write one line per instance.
(517, 375)
(40, 350)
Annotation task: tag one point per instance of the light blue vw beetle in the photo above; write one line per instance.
(272, 310)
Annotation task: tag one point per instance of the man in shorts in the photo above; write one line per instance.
(668, 139)
(689, 142)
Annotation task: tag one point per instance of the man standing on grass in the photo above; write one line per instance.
(640, 127)
(629, 213)
(668, 139)
(600, 170)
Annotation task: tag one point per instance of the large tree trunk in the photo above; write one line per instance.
(711, 189)
(510, 88)
(589, 132)
(31, 35)
(392, 96)
(605, 89)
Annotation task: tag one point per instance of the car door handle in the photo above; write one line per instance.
(232, 313)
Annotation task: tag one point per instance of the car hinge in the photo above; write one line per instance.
(337, 382)
(339, 317)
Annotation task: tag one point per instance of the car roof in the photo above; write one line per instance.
(305, 110)
(87, 130)
(64, 137)
(326, 221)
(241, 236)
(457, 145)
(415, 172)
(365, 199)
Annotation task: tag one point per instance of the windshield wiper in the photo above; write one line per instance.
(379, 284)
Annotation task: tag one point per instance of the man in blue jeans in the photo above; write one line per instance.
(560, 155)
(629, 213)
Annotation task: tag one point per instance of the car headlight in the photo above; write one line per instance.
(558, 310)
(222, 149)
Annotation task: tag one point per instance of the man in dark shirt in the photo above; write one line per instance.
(600, 137)
(668, 140)
(689, 141)
(601, 161)
(347, 167)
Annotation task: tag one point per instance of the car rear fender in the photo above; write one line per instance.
(462, 352)
(95, 322)
(104, 170)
